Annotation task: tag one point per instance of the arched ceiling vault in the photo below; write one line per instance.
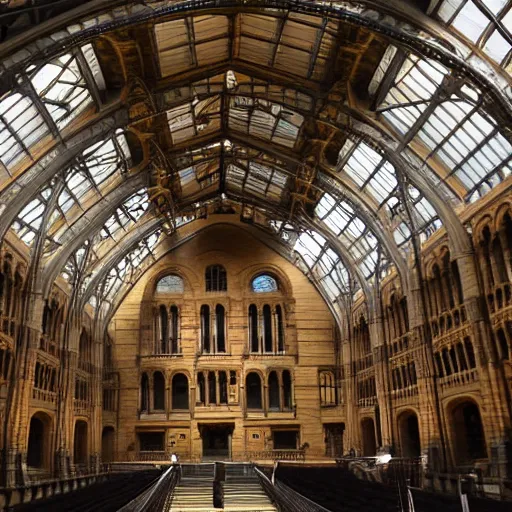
(344, 131)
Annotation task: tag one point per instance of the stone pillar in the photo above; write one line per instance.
(431, 435)
(381, 379)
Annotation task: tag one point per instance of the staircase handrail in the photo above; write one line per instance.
(286, 499)
(154, 497)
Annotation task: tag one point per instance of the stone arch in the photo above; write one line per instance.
(368, 437)
(39, 442)
(466, 430)
(409, 434)
(81, 442)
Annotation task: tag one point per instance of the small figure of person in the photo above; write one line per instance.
(174, 459)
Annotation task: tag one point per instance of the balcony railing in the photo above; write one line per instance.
(459, 379)
(404, 393)
(44, 395)
(367, 402)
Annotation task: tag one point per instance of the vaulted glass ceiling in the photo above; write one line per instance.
(316, 126)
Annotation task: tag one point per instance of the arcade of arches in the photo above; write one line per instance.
(232, 228)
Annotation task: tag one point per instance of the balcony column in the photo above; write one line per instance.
(213, 330)
(261, 331)
(274, 330)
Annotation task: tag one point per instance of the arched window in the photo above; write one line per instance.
(327, 388)
(205, 328)
(144, 393)
(253, 391)
(216, 279)
(170, 284)
(253, 328)
(264, 283)
(273, 392)
(158, 391)
(180, 392)
(220, 333)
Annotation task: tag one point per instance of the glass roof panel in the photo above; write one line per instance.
(21, 126)
(62, 89)
(90, 172)
(485, 23)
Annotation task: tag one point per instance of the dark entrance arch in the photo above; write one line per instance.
(38, 449)
(409, 429)
(468, 438)
(80, 444)
(108, 437)
(368, 437)
(180, 392)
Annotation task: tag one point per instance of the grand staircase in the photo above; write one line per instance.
(233, 488)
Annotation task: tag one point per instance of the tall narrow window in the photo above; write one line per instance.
(174, 330)
(287, 389)
(180, 392)
(253, 328)
(253, 390)
(216, 279)
(220, 328)
(212, 388)
(164, 333)
(158, 391)
(223, 388)
(202, 387)
(280, 329)
(267, 328)
(273, 392)
(205, 328)
(144, 393)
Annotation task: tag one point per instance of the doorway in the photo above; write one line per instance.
(38, 450)
(80, 451)
(216, 441)
(334, 439)
(409, 435)
(108, 437)
(368, 437)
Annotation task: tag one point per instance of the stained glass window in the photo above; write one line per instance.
(170, 284)
(264, 284)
